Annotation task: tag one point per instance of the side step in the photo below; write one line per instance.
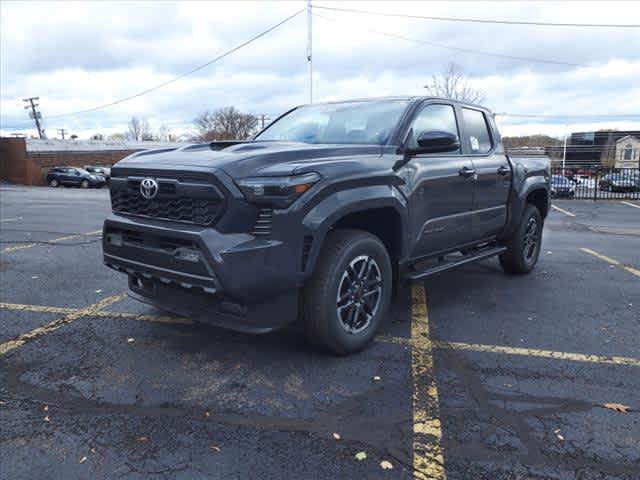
(441, 267)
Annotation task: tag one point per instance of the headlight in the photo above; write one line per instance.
(277, 191)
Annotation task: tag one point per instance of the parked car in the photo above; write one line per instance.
(561, 186)
(617, 182)
(586, 181)
(103, 171)
(327, 209)
(74, 177)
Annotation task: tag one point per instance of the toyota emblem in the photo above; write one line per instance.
(148, 188)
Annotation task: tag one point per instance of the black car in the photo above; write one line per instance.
(322, 214)
(74, 177)
(102, 171)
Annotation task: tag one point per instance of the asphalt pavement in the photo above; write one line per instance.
(475, 374)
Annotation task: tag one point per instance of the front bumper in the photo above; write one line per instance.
(235, 280)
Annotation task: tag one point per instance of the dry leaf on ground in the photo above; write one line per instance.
(336, 436)
(83, 459)
(361, 456)
(386, 465)
(215, 448)
(618, 407)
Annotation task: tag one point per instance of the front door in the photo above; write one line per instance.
(441, 188)
(493, 175)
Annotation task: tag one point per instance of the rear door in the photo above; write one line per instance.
(441, 186)
(493, 173)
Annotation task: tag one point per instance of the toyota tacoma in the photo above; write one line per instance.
(322, 214)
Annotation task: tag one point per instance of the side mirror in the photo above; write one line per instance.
(435, 141)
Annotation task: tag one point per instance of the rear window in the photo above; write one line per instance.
(476, 131)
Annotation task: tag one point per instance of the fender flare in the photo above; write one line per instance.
(337, 205)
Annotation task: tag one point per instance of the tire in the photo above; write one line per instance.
(84, 184)
(55, 183)
(342, 309)
(523, 248)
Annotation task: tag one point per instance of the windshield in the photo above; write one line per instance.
(560, 180)
(370, 122)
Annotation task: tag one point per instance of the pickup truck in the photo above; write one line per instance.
(322, 214)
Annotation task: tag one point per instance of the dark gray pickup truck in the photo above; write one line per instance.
(322, 214)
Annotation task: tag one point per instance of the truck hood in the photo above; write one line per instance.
(252, 158)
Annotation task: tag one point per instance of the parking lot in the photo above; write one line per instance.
(475, 375)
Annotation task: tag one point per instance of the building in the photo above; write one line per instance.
(27, 161)
(597, 149)
(627, 153)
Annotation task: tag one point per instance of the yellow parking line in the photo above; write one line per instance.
(630, 204)
(36, 308)
(611, 261)
(70, 317)
(17, 247)
(428, 459)
(566, 212)
(55, 240)
(417, 343)
(533, 352)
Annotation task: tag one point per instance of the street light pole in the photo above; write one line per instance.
(309, 51)
(564, 148)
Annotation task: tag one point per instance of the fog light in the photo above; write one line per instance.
(114, 239)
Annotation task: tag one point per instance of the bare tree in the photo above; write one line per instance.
(453, 84)
(225, 124)
(138, 129)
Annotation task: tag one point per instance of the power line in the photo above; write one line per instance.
(480, 20)
(460, 49)
(182, 75)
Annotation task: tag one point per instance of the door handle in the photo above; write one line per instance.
(466, 172)
(503, 170)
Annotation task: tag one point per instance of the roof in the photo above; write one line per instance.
(626, 138)
(408, 98)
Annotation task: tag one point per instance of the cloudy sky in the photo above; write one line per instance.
(80, 55)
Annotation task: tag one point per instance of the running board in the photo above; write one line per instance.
(455, 263)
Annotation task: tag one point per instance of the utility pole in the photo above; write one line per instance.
(309, 51)
(36, 115)
(263, 120)
(62, 131)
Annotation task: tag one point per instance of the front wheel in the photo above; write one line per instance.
(349, 293)
(523, 248)
(84, 184)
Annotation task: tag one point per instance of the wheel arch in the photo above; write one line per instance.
(378, 209)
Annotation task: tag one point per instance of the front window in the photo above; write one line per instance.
(628, 152)
(367, 122)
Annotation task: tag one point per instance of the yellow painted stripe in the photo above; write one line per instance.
(126, 315)
(17, 247)
(55, 240)
(566, 212)
(533, 352)
(36, 308)
(71, 317)
(428, 458)
(630, 204)
(611, 261)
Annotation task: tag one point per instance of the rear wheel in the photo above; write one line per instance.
(349, 293)
(523, 248)
(54, 183)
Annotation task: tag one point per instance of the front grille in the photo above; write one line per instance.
(178, 208)
(187, 197)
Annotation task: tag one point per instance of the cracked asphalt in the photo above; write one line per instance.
(122, 391)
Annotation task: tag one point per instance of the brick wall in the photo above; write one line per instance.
(30, 168)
